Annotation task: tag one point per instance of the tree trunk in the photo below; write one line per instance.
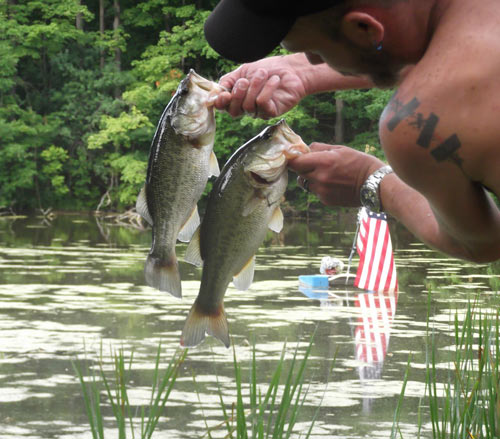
(339, 122)
(101, 30)
(79, 19)
(118, 52)
(116, 29)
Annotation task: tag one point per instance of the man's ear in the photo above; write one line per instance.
(362, 29)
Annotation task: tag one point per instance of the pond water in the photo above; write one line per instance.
(73, 285)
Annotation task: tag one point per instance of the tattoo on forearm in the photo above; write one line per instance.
(446, 150)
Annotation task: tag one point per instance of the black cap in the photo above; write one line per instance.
(247, 30)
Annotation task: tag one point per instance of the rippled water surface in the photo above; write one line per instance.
(73, 286)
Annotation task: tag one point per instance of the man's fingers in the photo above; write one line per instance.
(305, 163)
(320, 156)
(229, 79)
(265, 99)
(256, 83)
(318, 147)
(238, 94)
(222, 101)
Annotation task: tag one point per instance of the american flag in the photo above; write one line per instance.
(377, 311)
(376, 270)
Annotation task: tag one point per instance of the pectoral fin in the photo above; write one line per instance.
(189, 226)
(141, 206)
(214, 165)
(276, 222)
(193, 252)
(244, 278)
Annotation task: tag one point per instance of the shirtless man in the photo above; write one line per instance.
(441, 130)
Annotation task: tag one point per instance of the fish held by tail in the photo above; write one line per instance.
(163, 275)
(199, 323)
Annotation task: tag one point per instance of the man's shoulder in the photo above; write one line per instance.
(446, 119)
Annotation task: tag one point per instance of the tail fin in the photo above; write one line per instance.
(199, 322)
(163, 275)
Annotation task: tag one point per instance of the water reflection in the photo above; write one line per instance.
(71, 284)
(370, 331)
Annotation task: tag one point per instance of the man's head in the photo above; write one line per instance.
(346, 34)
(247, 30)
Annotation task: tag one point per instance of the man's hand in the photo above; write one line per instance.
(272, 86)
(265, 88)
(335, 173)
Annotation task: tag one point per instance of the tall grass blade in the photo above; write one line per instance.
(397, 413)
(116, 390)
(272, 414)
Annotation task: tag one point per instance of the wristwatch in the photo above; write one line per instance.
(369, 192)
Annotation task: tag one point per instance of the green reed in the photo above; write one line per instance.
(273, 413)
(115, 389)
(467, 405)
(270, 414)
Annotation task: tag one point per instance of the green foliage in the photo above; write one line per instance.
(76, 120)
(118, 131)
(54, 158)
(132, 168)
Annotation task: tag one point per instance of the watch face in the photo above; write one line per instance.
(369, 198)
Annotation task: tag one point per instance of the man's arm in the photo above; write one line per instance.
(429, 147)
(272, 86)
(336, 173)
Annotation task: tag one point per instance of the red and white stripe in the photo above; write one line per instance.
(376, 270)
(372, 332)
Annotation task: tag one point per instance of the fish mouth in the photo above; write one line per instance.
(259, 179)
(270, 163)
(206, 85)
(295, 144)
(268, 171)
(194, 115)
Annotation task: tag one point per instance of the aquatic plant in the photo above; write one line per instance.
(117, 394)
(270, 415)
(468, 404)
(273, 413)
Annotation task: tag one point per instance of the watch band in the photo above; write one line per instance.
(369, 192)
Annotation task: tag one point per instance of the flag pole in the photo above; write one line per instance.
(353, 249)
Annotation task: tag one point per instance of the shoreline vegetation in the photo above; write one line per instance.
(462, 401)
(132, 217)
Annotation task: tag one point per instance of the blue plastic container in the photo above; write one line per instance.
(314, 281)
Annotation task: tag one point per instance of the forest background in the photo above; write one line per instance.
(82, 87)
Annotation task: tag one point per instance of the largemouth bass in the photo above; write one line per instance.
(181, 160)
(243, 204)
